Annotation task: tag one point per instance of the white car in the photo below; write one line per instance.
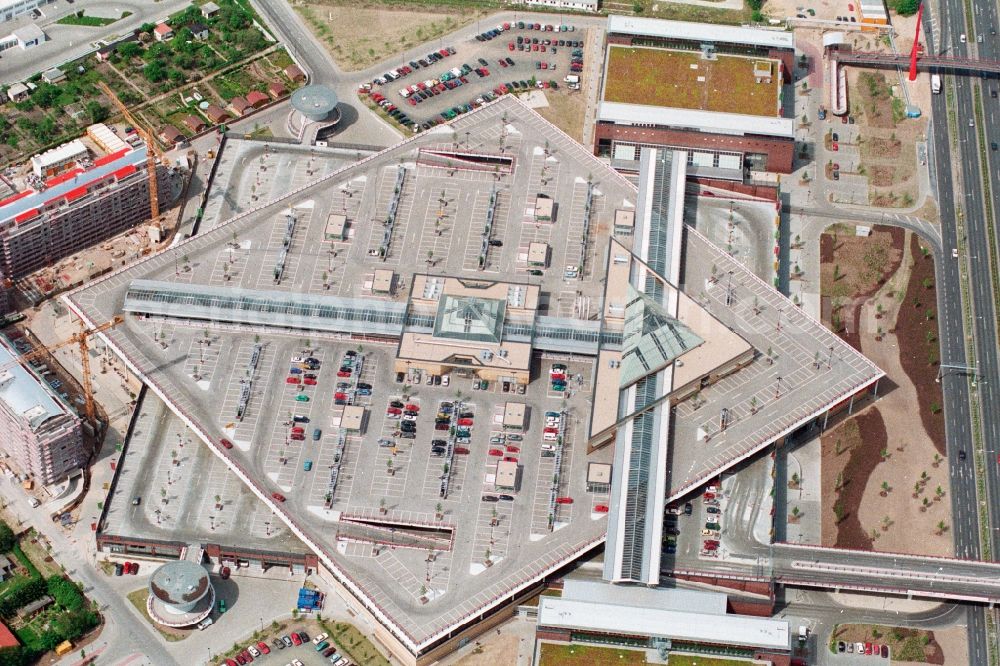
(253, 651)
(409, 417)
(549, 437)
(319, 639)
(296, 662)
(298, 359)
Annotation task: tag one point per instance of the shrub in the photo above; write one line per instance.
(66, 593)
(7, 539)
(22, 595)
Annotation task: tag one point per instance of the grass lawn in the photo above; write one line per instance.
(138, 599)
(681, 12)
(38, 556)
(681, 79)
(553, 654)
(389, 28)
(90, 21)
(357, 646)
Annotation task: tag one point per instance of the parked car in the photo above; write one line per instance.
(278, 497)
(226, 444)
(564, 500)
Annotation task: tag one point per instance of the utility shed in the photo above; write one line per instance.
(538, 254)
(506, 477)
(624, 221)
(336, 226)
(544, 209)
(382, 282)
(514, 415)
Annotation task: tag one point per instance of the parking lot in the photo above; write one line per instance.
(458, 78)
(410, 512)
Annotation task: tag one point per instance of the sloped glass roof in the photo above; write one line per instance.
(651, 338)
(470, 318)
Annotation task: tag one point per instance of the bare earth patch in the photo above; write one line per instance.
(885, 482)
(358, 35)
(566, 110)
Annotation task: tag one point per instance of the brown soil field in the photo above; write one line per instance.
(861, 265)
(566, 110)
(917, 332)
(850, 452)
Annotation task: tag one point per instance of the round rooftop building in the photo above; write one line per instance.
(180, 594)
(317, 103)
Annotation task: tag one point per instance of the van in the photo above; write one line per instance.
(207, 622)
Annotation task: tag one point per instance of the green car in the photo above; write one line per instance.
(535, 271)
(558, 387)
(222, 605)
(302, 397)
(712, 526)
(308, 465)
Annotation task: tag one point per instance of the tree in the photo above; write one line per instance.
(97, 112)
(129, 50)
(7, 539)
(155, 71)
(906, 7)
(885, 488)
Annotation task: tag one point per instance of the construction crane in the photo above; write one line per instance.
(152, 151)
(81, 341)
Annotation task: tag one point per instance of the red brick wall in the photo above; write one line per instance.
(780, 152)
(760, 191)
(787, 59)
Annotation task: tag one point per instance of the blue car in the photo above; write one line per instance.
(294, 371)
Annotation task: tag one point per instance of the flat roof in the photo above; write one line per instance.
(464, 589)
(678, 625)
(382, 281)
(72, 180)
(669, 598)
(24, 393)
(677, 78)
(700, 32)
(28, 32)
(625, 218)
(599, 472)
(506, 474)
(538, 253)
(67, 151)
(695, 119)
(513, 414)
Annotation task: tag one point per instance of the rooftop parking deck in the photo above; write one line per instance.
(377, 524)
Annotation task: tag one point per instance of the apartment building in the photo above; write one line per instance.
(71, 211)
(41, 437)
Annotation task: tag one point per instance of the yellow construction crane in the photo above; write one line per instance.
(152, 151)
(80, 340)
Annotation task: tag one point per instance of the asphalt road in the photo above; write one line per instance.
(956, 384)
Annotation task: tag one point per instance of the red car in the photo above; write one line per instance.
(601, 508)
(834, 146)
(343, 373)
(461, 451)
(557, 376)
(390, 410)
(295, 638)
(709, 496)
(465, 422)
(309, 382)
(278, 497)
(413, 408)
(552, 430)
(292, 380)
(135, 568)
(868, 648)
(510, 459)
(513, 449)
(127, 568)
(240, 659)
(510, 46)
(711, 546)
(564, 500)
(262, 646)
(297, 429)
(343, 396)
(246, 655)
(496, 452)
(224, 573)
(230, 662)
(297, 436)
(441, 426)
(226, 444)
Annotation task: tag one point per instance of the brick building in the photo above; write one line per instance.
(723, 136)
(73, 210)
(40, 435)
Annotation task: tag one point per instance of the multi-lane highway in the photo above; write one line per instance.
(975, 243)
